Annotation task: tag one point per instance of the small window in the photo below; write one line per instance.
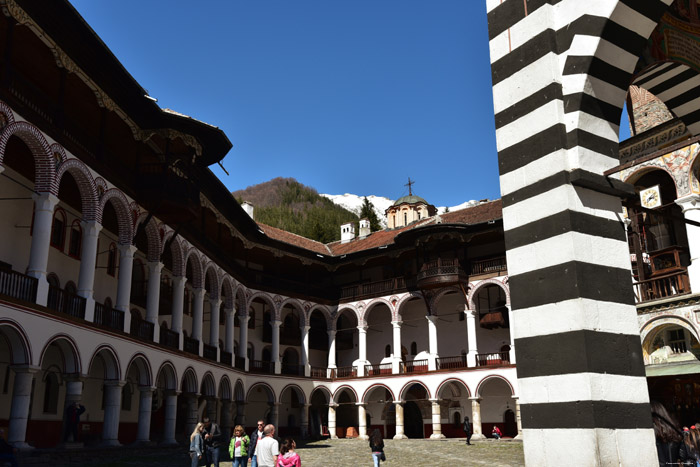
(58, 229)
(405, 218)
(76, 236)
(387, 351)
(71, 288)
(414, 348)
(112, 260)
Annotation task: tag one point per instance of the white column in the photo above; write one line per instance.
(145, 409)
(178, 307)
(126, 267)
(476, 418)
(153, 297)
(170, 401)
(331, 420)
(215, 308)
(229, 331)
(88, 257)
(243, 339)
(44, 204)
(276, 346)
(396, 362)
(113, 405)
(437, 420)
(305, 421)
(398, 405)
(471, 337)
(690, 205)
(21, 400)
(305, 350)
(511, 333)
(432, 342)
(191, 414)
(518, 420)
(362, 350)
(362, 420)
(331, 352)
(198, 316)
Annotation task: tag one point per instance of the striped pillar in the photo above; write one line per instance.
(560, 74)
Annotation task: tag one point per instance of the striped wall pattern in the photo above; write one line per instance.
(560, 71)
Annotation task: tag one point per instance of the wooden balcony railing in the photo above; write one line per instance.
(496, 358)
(240, 363)
(259, 366)
(142, 329)
(665, 286)
(16, 285)
(452, 363)
(226, 358)
(487, 266)
(191, 345)
(416, 366)
(292, 370)
(319, 372)
(169, 338)
(345, 372)
(372, 289)
(109, 317)
(377, 369)
(66, 302)
(209, 352)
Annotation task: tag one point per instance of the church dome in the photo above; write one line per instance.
(410, 199)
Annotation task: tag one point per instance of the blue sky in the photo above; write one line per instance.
(345, 96)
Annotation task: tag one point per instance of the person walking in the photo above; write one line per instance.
(468, 430)
(376, 444)
(255, 437)
(287, 457)
(267, 448)
(238, 449)
(73, 413)
(213, 440)
(196, 445)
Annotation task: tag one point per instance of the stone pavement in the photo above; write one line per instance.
(327, 453)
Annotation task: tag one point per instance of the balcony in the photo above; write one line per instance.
(210, 352)
(261, 367)
(416, 366)
(441, 273)
(191, 345)
(378, 369)
(66, 302)
(318, 372)
(493, 359)
(109, 317)
(452, 363)
(173, 198)
(170, 339)
(343, 372)
(240, 363)
(372, 289)
(292, 370)
(226, 358)
(665, 286)
(141, 329)
(16, 285)
(489, 266)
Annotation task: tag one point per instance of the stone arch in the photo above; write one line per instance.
(58, 150)
(340, 389)
(369, 390)
(6, 115)
(270, 392)
(45, 170)
(489, 378)
(408, 385)
(17, 342)
(435, 301)
(642, 170)
(189, 381)
(481, 284)
(262, 296)
(452, 380)
(295, 304)
(197, 272)
(69, 349)
(111, 362)
(100, 184)
(225, 388)
(238, 391)
(178, 255)
(167, 370)
(86, 186)
(210, 273)
(140, 361)
(208, 385)
(227, 290)
(322, 389)
(650, 329)
(293, 387)
(152, 234)
(323, 309)
(404, 300)
(121, 207)
(334, 321)
(373, 303)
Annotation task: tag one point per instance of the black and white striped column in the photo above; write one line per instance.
(560, 74)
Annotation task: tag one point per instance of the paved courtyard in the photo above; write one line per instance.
(342, 452)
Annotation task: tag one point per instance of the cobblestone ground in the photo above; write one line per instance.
(342, 452)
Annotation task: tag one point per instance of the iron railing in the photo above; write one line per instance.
(109, 317)
(260, 366)
(169, 338)
(191, 345)
(490, 359)
(142, 329)
(66, 302)
(226, 358)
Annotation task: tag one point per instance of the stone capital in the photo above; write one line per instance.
(91, 228)
(689, 202)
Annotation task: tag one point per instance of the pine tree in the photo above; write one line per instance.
(367, 212)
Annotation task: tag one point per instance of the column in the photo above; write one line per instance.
(225, 421)
(145, 408)
(517, 417)
(88, 257)
(243, 339)
(476, 418)
(229, 330)
(191, 414)
(153, 296)
(331, 352)
(275, 414)
(305, 421)
(396, 363)
(276, 347)
(44, 204)
(74, 393)
(432, 342)
(690, 205)
(21, 400)
(362, 350)
(331, 420)
(215, 308)
(471, 336)
(177, 310)
(511, 333)
(437, 420)
(398, 405)
(170, 401)
(305, 350)
(113, 405)
(198, 316)
(211, 410)
(126, 268)
(362, 420)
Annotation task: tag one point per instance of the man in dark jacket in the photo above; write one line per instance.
(256, 436)
(468, 430)
(73, 413)
(213, 440)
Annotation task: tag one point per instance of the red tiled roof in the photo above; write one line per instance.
(472, 215)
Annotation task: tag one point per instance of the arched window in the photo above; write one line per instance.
(414, 348)
(76, 237)
(50, 392)
(405, 218)
(71, 288)
(53, 281)
(58, 229)
(387, 351)
(112, 260)
(108, 302)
